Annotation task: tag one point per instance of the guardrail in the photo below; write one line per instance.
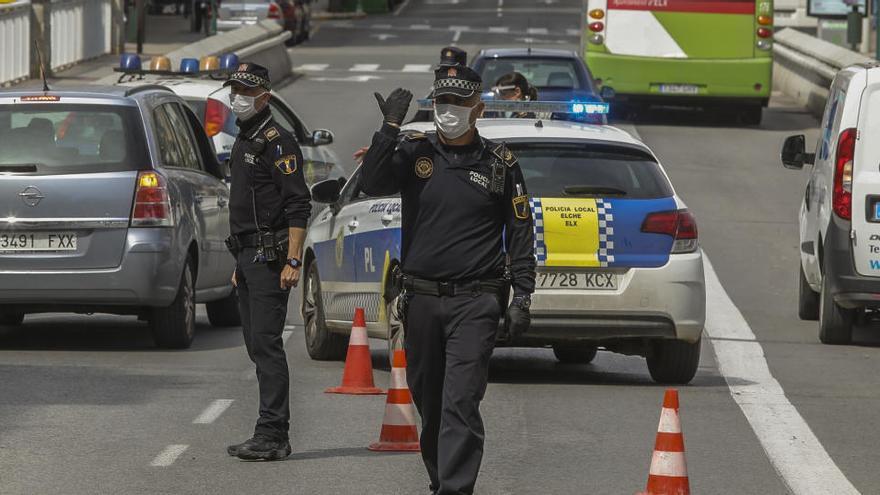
(79, 30)
(15, 41)
(805, 66)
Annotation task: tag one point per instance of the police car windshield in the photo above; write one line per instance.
(53, 138)
(547, 72)
(590, 170)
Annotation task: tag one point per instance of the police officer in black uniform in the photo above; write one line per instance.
(269, 208)
(464, 212)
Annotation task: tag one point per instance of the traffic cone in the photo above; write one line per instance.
(399, 432)
(668, 472)
(357, 379)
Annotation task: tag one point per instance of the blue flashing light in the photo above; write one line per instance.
(130, 62)
(189, 65)
(228, 61)
(577, 108)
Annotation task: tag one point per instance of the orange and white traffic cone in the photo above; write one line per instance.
(399, 433)
(668, 472)
(357, 379)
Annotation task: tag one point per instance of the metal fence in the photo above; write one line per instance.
(80, 30)
(15, 39)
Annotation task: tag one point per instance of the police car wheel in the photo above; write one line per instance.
(808, 300)
(174, 326)
(575, 355)
(835, 323)
(321, 343)
(11, 319)
(673, 361)
(224, 312)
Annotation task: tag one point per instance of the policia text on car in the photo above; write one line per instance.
(269, 209)
(464, 213)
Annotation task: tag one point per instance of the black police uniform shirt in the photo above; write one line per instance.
(453, 227)
(267, 157)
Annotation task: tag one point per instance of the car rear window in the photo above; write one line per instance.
(57, 138)
(590, 170)
(540, 72)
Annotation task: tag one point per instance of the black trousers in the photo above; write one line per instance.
(449, 341)
(263, 307)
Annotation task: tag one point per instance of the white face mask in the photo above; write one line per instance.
(452, 120)
(243, 105)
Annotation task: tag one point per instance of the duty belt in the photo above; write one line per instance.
(449, 288)
(253, 240)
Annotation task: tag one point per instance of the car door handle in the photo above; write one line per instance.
(387, 219)
(352, 225)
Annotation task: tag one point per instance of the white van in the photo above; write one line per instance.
(840, 212)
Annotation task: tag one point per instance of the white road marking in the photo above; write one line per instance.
(383, 36)
(573, 32)
(381, 26)
(400, 8)
(420, 27)
(456, 36)
(459, 28)
(416, 68)
(795, 452)
(169, 455)
(363, 68)
(499, 29)
(538, 31)
(312, 67)
(361, 78)
(286, 334)
(213, 411)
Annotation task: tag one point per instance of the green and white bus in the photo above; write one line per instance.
(691, 52)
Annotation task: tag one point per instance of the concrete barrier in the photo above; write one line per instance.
(261, 43)
(804, 67)
(15, 38)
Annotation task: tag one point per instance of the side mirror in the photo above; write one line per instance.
(321, 137)
(607, 93)
(326, 191)
(794, 154)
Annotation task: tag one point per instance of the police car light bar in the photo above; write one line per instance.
(575, 107)
(214, 67)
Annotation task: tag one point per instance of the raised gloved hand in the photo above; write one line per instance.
(518, 316)
(394, 107)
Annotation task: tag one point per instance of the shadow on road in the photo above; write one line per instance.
(340, 452)
(106, 333)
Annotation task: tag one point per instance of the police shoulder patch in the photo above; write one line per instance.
(521, 207)
(271, 133)
(504, 154)
(286, 164)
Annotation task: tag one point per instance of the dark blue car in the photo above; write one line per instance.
(559, 75)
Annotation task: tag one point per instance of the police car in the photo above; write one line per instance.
(619, 263)
(200, 84)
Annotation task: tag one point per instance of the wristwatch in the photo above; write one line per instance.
(294, 263)
(522, 302)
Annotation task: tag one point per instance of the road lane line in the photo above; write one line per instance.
(311, 67)
(169, 455)
(420, 27)
(499, 29)
(381, 26)
(416, 68)
(400, 8)
(792, 447)
(363, 68)
(213, 411)
(573, 32)
(456, 37)
(537, 31)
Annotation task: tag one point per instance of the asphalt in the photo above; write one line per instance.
(87, 404)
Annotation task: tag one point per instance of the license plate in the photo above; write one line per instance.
(567, 280)
(15, 242)
(679, 89)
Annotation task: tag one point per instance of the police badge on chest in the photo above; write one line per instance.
(250, 158)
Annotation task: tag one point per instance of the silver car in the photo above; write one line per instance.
(113, 202)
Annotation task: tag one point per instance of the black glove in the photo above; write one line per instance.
(394, 108)
(518, 316)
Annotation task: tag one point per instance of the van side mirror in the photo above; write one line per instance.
(607, 93)
(322, 137)
(794, 154)
(326, 191)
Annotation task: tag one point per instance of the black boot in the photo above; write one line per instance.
(264, 449)
(233, 449)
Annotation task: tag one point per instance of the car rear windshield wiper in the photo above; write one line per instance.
(23, 168)
(583, 190)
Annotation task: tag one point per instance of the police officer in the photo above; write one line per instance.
(464, 211)
(269, 208)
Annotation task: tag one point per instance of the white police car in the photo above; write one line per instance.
(619, 264)
(209, 100)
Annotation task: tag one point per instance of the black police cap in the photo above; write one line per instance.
(251, 75)
(457, 80)
(453, 55)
